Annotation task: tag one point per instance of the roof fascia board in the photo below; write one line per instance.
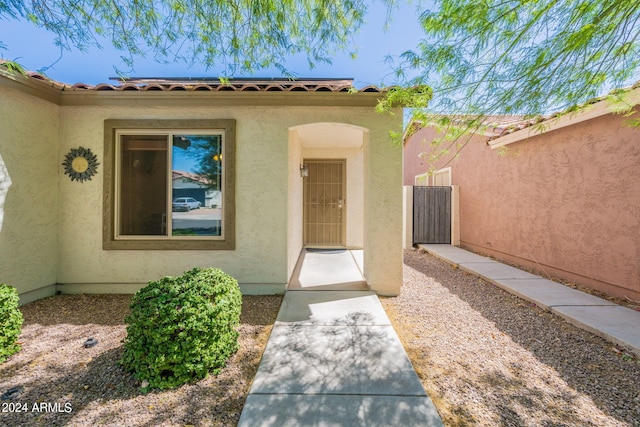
(589, 112)
(226, 98)
(34, 87)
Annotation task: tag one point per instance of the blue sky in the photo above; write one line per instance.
(33, 48)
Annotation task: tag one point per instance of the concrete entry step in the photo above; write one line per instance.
(328, 269)
(331, 308)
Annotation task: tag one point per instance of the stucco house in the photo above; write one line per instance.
(64, 228)
(562, 200)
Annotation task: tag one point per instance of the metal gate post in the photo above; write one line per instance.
(455, 215)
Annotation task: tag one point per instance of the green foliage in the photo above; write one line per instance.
(237, 36)
(519, 58)
(417, 97)
(411, 97)
(524, 56)
(10, 321)
(12, 67)
(182, 328)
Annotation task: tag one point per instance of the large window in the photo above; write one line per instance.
(170, 184)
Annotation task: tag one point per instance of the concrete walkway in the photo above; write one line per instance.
(333, 359)
(615, 323)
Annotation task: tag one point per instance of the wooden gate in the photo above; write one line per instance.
(431, 215)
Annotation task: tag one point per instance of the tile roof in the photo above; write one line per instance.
(492, 126)
(176, 174)
(511, 124)
(192, 91)
(501, 130)
(175, 84)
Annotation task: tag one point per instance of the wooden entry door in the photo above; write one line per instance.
(325, 203)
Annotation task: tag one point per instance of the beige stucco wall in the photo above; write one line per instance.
(261, 201)
(262, 259)
(29, 172)
(294, 204)
(565, 203)
(382, 212)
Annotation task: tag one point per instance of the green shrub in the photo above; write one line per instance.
(181, 329)
(10, 321)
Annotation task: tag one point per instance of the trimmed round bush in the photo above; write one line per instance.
(10, 321)
(182, 329)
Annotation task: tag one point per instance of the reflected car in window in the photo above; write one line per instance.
(185, 204)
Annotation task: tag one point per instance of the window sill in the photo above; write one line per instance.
(174, 244)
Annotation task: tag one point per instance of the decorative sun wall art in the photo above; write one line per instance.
(80, 164)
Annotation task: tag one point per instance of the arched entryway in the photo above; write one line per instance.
(326, 194)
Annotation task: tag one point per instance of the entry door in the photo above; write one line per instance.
(324, 203)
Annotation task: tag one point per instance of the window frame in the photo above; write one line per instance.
(444, 172)
(110, 240)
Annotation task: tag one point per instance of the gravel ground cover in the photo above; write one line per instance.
(64, 383)
(488, 358)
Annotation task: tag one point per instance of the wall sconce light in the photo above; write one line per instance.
(304, 170)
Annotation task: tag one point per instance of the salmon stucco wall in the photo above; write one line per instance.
(28, 194)
(565, 203)
(414, 162)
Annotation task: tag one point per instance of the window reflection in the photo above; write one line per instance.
(197, 163)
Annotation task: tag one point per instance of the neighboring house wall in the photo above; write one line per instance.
(565, 203)
(414, 163)
(29, 201)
